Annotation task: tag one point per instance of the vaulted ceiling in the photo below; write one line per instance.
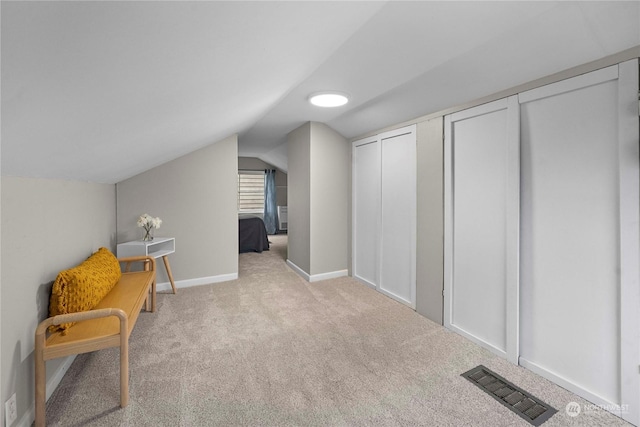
(101, 91)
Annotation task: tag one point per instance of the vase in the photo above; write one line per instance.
(148, 235)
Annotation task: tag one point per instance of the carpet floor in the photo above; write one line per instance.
(271, 349)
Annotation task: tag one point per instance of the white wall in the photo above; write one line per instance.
(196, 198)
(48, 226)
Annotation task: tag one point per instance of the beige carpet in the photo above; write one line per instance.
(270, 349)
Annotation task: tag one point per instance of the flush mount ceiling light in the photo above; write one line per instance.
(328, 99)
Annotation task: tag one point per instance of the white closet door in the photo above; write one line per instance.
(579, 167)
(481, 225)
(398, 237)
(366, 208)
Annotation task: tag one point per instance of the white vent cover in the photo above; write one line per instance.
(283, 219)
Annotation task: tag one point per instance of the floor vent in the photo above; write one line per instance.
(532, 409)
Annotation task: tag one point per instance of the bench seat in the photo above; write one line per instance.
(129, 295)
(108, 324)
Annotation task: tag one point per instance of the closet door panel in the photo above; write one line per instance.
(481, 225)
(478, 241)
(398, 241)
(570, 258)
(366, 207)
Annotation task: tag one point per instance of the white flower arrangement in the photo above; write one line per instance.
(148, 222)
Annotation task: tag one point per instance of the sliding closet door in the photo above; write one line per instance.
(579, 247)
(398, 236)
(384, 213)
(481, 225)
(366, 208)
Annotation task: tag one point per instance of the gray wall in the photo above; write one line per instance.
(298, 153)
(319, 176)
(252, 163)
(196, 198)
(329, 189)
(430, 220)
(47, 226)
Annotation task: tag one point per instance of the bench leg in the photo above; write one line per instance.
(41, 383)
(124, 370)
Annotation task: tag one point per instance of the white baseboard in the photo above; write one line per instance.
(481, 342)
(298, 270)
(571, 386)
(317, 277)
(397, 298)
(365, 282)
(329, 275)
(29, 417)
(166, 286)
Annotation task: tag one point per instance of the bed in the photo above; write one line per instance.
(252, 234)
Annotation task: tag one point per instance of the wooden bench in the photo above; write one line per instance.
(109, 324)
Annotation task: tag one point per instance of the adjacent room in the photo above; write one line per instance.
(262, 204)
(373, 213)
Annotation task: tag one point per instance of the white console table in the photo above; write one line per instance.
(159, 247)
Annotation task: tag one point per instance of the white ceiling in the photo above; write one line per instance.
(101, 91)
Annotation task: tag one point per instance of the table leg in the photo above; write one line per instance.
(147, 302)
(153, 296)
(166, 264)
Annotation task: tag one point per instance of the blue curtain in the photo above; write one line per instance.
(270, 209)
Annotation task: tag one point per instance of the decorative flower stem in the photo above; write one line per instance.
(148, 223)
(148, 236)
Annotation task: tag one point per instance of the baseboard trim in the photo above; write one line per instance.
(397, 298)
(365, 282)
(317, 277)
(166, 286)
(329, 275)
(606, 404)
(482, 343)
(30, 415)
(298, 270)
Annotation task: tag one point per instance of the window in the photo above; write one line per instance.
(251, 192)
